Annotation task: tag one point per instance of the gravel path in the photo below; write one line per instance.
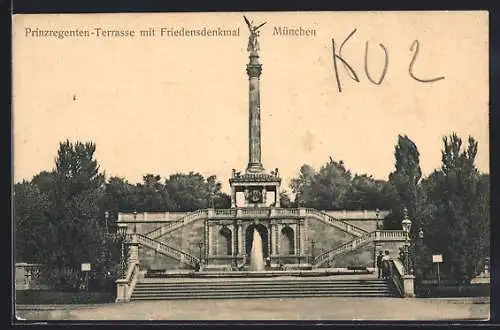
(331, 308)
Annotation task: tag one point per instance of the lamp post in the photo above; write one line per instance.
(377, 214)
(135, 219)
(421, 252)
(406, 225)
(122, 232)
(106, 217)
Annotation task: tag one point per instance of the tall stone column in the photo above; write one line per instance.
(254, 70)
(278, 237)
(244, 240)
(234, 238)
(295, 238)
(269, 238)
(210, 239)
(272, 237)
(240, 237)
(302, 243)
(233, 197)
(206, 242)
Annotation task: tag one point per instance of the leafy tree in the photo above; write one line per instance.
(152, 195)
(190, 192)
(405, 179)
(30, 209)
(366, 193)
(74, 227)
(302, 185)
(462, 207)
(216, 198)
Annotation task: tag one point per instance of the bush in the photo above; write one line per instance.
(434, 291)
(40, 297)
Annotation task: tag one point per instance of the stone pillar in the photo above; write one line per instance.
(299, 238)
(233, 197)
(234, 238)
(302, 242)
(133, 250)
(254, 70)
(408, 285)
(269, 237)
(277, 196)
(206, 242)
(272, 237)
(216, 240)
(243, 241)
(210, 239)
(240, 238)
(295, 238)
(278, 237)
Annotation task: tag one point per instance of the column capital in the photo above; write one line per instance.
(254, 70)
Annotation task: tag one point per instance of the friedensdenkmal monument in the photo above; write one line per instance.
(256, 234)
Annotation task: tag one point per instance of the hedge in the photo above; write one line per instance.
(40, 297)
(447, 291)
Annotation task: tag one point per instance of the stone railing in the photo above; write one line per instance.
(390, 235)
(224, 212)
(342, 225)
(150, 216)
(374, 236)
(256, 212)
(287, 212)
(188, 218)
(125, 286)
(346, 247)
(163, 230)
(358, 214)
(404, 283)
(396, 275)
(167, 250)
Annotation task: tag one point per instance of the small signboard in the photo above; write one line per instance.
(437, 258)
(86, 267)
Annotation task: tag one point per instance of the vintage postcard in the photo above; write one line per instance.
(251, 166)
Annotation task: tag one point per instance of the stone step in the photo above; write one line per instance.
(258, 295)
(258, 292)
(169, 289)
(270, 282)
(254, 287)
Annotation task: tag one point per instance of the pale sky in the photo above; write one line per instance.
(174, 104)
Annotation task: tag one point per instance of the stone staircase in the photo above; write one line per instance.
(166, 250)
(225, 288)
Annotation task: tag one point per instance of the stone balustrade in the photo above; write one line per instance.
(375, 236)
(125, 286)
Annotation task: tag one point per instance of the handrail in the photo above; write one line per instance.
(397, 272)
(342, 225)
(167, 250)
(175, 224)
(346, 247)
(377, 235)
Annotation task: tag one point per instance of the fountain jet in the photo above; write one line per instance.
(256, 256)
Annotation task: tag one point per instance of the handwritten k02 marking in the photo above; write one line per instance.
(338, 58)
